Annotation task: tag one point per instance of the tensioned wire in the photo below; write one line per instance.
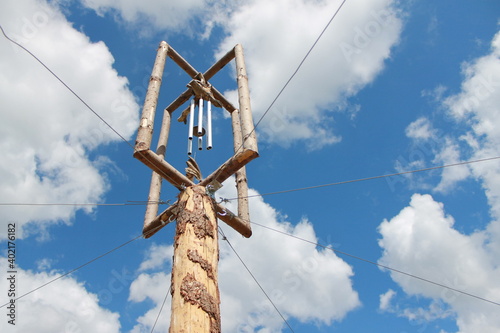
(278, 192)
(368, 178)
(163, 174)
(278, 231)
(83, 265)
(379, 265)
(161, 202)
(131, 203)
(291, 77)
(255, 279)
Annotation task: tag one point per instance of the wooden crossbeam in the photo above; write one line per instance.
(163, 168)
(228, 168)
(223, 214)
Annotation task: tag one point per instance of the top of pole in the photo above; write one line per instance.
(244, 136)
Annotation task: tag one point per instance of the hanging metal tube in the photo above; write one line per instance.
(200, 117)
(209, 125)
(190, 147)
(191, 120)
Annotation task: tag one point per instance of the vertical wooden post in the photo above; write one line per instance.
(248, 132)
(195, 293)
(241, 174)
(145, 132)
(156, 179)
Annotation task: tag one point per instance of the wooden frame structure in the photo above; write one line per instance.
(244, 139)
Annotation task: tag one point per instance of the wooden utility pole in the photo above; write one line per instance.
(194, 285)
(195, 291)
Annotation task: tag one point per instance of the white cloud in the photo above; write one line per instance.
(303, 282)
(421, 240)
(276, 35)
(476, 137)
(476, 106)
(157, 256)
(154, 287)
(171, 15)
(420, 129)
(62, 306)
(350, 55)
(385, 300)
(47, 132)
(450, 154)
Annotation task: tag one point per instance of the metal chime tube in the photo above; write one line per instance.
(200, 124)
(209, 125)
(190, 131)
(190, 147)
(191, 120)
(200, 117)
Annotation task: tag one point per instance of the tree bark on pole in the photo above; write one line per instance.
(156, 179)
(195, 293)
(241, 174)
(145, 131)
(247, 127)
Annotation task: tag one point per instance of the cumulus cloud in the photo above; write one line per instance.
(420, 129)
(153, 287)
(450, 153)
(303, 282)
(474, 109)
(421, 240)
(276, 36)
(476, 106)
(48, 133)
(385, 300)
(169, 15)
(63, 306)
(349, 56)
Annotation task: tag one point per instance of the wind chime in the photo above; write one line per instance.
(198, 130)
(202, 92)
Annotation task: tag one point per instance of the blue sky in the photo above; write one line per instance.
(390, 87)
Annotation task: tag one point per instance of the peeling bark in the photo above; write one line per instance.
(196, 293)
(195, 257)
(202, 225)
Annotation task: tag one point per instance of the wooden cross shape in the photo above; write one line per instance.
(244, 139)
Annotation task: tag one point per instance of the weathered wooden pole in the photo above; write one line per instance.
(145, 131)
(241, 174)
(195, 293)
(194, 285)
